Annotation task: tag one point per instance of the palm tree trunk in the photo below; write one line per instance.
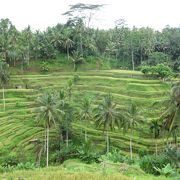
(132, 59)
(141, 58)
(85, 136)
(28, 55)
(47, 146)
(68, 53)
(45, 141)
(67, 138)
(81, 46)
(107, 142)
(130, 146)
(74, 66)
(4, 102)
(14, 62)
(156, 148)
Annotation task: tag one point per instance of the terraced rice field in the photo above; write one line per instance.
(17, 122)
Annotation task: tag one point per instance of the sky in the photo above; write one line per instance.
(40, 14)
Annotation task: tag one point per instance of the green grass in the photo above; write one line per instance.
(76, 170)
(18, 121)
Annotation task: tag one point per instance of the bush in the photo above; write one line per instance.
(20, 166)
(76, 78)
(173, 153)
(25, 166)
(166, 170)
(44, 67)
(145, 69)
(9, 160)
(142, 152)
(163, 71)
(151, 163)
(160, 70)
(83, 152)
(116, 157)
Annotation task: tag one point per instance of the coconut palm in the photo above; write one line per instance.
(76, 58)
(107, 116)
(68, 43)
(171, 115)
(131, 119)
(4, 78)
(68, 117)
(155, 128)
(68, 89)
(86, 113)
(47, 114)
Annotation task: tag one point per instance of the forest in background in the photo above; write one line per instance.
(123, 47)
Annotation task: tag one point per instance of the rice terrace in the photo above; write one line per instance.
(83, 102)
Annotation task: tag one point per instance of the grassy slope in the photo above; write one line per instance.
(17, 125)
(74, 169)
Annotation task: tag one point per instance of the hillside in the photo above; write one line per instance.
(17, 123)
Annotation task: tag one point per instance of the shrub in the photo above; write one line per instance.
(83, 152)
(76, 78)
(145, 69)
(25, 166)
(160, 70)
(9, 160)
(44, 67)
(150, 163)
(163, 71)
(20, 166)
(4, 169)
(173, 153)
(166, 170)
(142, 152)
(116, 157)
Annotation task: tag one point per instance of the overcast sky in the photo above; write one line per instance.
(43, 13)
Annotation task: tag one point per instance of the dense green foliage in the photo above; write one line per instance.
(105, 118)
(121, 46)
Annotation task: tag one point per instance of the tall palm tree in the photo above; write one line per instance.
(68, 117)
(4, 78)
(171, 115)
(107, 116)
(131, 120)
(155, 128)
(68, 42)
(86, 113)
(69, 89)
(47, 113)
(67, 113)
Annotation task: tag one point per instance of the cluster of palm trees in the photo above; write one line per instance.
(130, 48)
(58, 108)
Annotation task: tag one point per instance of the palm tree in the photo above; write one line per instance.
(67, 113)
(68, 43)
(47, 113)
(67, 120)
(4, 78)
(171, 115)
(76, 58)
(131, 119)
(69, 89)
(155, 128)
(174, 133)
(107, 115)
(86, 113)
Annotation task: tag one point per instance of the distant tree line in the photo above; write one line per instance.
(124, 47)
